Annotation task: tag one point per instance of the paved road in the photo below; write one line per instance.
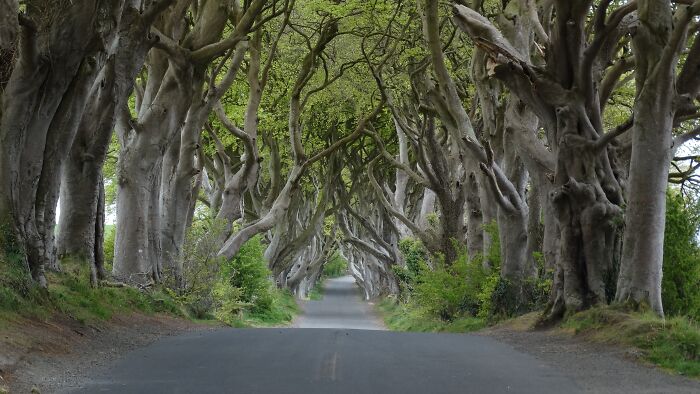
(342, 306)
(329, 360)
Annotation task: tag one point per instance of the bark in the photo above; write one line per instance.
(657, 44)
(81, 178)
(427, 208)
(587, 192)
(475, 226)
(176, 72)
(49, 84)
(9, 33)
(180, 168)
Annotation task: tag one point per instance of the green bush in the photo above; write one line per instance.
(110, 235)
(200, 269)
(415, 256)
(681, 270)
(238, 291)
(248, 272)
(448, 292)
(462, 288)
(335, 267)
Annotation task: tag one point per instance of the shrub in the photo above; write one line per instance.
(248, 272)
(414, 253)
(108, 245)
(681, 269)
(450, 291)
(200, 268)
(335, 267)
(415, 256)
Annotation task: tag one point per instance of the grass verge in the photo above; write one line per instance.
(673, 344)
(281, 312)
(316, 294)
(400, 316)
(71, 295)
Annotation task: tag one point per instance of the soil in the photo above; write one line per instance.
(595, 367)
(55, 355)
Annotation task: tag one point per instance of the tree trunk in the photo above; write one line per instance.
(656, 55)
(79, 230)
(49, 84)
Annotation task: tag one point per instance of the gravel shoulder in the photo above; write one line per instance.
(56, 355)
(595, 367)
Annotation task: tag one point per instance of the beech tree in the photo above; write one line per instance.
(324, 127)
(568, 88)
(177, 73)
(59, 51)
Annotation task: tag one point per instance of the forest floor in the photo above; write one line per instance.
(45, 356)
(597, 367)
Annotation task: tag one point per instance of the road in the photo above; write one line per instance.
(341, 307)
(344, 350)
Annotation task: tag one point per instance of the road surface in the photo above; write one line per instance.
(344, 351)
(342, 306)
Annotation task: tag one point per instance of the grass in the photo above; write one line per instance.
(282, 311)
(673, 344)
(400, 316)
(316, 294)
(71, 295)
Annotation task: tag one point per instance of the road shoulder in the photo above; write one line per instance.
(49, 356)
(596, 367)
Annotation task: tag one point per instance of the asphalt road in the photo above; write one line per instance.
(342, 306)
(329, 360)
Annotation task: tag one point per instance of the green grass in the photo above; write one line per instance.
(673, 344)
(316, 294)
(71, 295)
(400, 316)
(282, 311)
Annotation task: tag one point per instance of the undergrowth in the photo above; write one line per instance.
(282, 311)
(400, 316)
(70, 294)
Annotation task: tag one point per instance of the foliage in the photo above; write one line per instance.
(448, 291)
(463, 288)
(681, 269)
(672, 343)
(402, 316)
(316, 293)
(108, 245)
(493, 255)
(467, 287)
(415, 256)
(283, 308)
(336, 266)
(248, 271)
(510, 298)
(238, 291)
(200, 269)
